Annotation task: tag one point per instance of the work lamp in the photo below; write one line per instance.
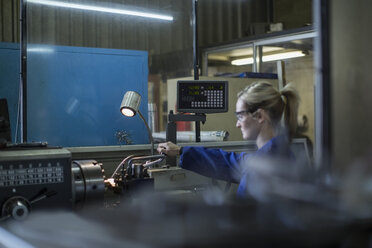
(130, 106)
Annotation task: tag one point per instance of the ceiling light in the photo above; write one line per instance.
(246, 61)
(102, 9)
(272, 57)
(280, 56)
(40, 49)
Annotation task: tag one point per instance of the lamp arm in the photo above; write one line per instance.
(149, 131)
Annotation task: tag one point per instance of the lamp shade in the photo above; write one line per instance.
(129, 107)
(130, 103)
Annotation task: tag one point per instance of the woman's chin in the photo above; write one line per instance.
(246, 137)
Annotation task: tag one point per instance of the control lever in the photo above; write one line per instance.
(42, 196)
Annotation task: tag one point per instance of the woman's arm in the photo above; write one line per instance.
(215, 163)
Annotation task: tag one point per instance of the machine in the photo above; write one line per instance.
(42, 177)
(36, 176)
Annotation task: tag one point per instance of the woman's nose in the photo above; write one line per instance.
(238, 124)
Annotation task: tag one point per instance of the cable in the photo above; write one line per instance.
(121, 164)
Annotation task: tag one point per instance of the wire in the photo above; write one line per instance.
(121, 164)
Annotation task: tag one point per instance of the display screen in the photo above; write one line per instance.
(202, 96)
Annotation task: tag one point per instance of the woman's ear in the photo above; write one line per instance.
(260, 115)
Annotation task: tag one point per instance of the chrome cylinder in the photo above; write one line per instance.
(87, 182)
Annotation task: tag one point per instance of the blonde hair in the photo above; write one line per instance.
(262, 94)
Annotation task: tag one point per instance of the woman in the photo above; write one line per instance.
(259, 110)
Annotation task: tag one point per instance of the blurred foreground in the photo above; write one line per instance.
(288, 207)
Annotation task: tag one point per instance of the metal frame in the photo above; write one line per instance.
(22, 109)
(254, 43)
(195, 38)
(323, 121)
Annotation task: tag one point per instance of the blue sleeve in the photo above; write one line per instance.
(215, 163)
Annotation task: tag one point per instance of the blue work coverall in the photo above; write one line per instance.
(227, 166)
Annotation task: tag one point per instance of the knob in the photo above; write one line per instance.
(17, 207)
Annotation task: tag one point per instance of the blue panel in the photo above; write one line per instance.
(74, 95)
(9, 79)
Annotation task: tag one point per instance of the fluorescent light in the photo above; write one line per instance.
(40, 49)
(280, 56)
(247, 61)
(267, 58)
(102, 9)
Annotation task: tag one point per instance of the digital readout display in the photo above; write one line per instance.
(203, 95)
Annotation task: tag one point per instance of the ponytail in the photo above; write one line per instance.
(291, 102)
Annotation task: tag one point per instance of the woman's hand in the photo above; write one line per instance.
(169, 149)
